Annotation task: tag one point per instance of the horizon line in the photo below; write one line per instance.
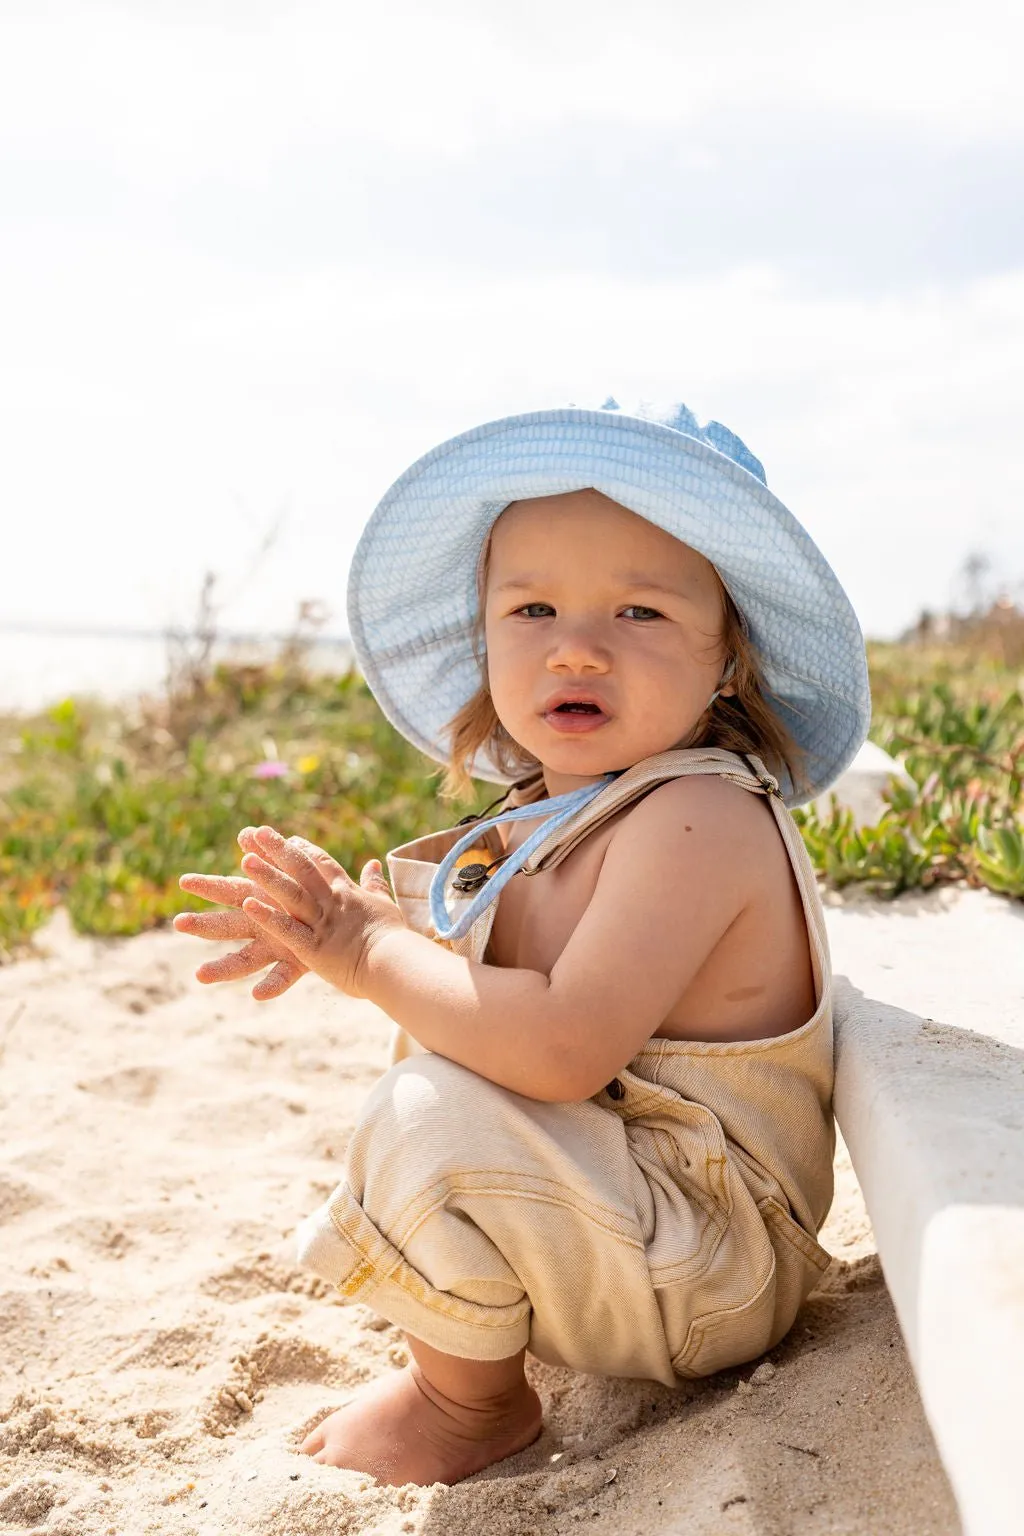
(170, 632)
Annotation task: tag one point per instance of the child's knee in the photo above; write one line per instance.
(420, 1123)
(425, 1097)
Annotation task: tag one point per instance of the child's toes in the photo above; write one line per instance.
(314, 1442)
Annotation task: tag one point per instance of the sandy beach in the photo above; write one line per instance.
(163, 1354)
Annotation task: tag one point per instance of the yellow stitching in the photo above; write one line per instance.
(790, 1229)
(446, 1182)
(625, 1238)
(402, 1274)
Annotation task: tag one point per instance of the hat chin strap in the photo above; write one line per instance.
(727, 676)
(558, 812)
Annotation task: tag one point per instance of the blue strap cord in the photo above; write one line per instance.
(560, 810)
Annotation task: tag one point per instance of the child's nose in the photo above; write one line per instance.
(579, 648)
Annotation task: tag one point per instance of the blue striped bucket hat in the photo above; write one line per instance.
(412, 593)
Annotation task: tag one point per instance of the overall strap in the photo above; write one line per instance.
(555, 813)
(567, 819)
(748, 773)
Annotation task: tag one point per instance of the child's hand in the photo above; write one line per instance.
(308, 904)
(232, 891)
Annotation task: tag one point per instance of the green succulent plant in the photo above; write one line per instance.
(102, 808)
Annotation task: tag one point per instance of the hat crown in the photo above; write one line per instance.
(413, 593)
(679, 418)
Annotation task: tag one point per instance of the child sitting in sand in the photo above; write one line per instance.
(607, 1136)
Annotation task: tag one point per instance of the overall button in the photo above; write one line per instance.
(615, 1089)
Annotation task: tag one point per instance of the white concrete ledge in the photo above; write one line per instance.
(933, 1116)
(861, 789)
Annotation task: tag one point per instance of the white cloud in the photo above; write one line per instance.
(233, 85)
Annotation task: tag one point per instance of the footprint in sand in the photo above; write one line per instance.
(17, 1197)
(142, 996)
(260, 1276)
(31, 1501)
(34, 1424)
(102, 1237)
(167, 1348)
(132, 1085)
(149, 1425)
(274, 1360)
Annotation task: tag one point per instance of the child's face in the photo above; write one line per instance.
(587, 601)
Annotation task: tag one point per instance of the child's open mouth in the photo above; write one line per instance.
(575, 715)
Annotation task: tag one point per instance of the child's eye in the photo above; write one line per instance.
(639, 612)
(529, 610)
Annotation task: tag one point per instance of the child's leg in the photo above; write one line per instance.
(439, 1420)
(607, 1236)
(483, 1222)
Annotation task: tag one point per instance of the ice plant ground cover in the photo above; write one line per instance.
(101, 808)
(954, 715)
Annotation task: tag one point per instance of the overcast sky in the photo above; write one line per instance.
(256, 257)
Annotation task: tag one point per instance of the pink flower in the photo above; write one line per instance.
(270, 770)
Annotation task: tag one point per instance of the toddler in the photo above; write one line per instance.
(606, 1136)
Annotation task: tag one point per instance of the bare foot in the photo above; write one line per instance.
(402, 1429)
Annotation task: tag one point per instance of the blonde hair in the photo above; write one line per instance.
(742, 721)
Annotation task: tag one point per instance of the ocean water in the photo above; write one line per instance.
(37, 670)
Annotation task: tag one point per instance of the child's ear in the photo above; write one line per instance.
(727, 687)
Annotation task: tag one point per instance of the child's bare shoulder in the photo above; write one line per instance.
(700, 823)
(702, 805)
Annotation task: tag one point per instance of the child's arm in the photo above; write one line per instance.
(676, 875)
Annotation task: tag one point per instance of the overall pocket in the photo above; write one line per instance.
(729, 1336)
(800, 1263)
(732, 1335)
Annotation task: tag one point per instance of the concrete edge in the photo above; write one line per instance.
(933, 1117)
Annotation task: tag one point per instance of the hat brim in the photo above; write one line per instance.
(412, 596)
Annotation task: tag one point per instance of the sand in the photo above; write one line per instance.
(162, 1353)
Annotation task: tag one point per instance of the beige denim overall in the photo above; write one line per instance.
(664, 1228)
